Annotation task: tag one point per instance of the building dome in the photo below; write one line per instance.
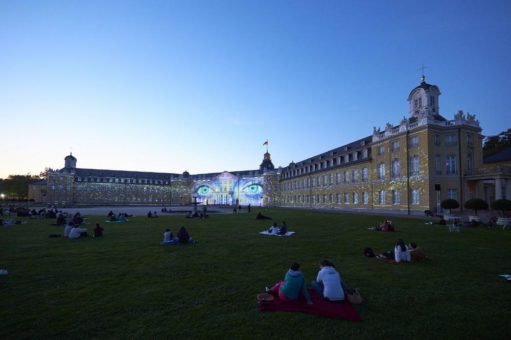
(186, 174)
(70, 162)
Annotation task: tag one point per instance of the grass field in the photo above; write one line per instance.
(127, 285)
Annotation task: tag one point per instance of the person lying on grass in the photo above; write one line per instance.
(328, 283)
(399, 254)
(292, 287)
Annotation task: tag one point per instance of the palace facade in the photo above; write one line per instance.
(407, 167)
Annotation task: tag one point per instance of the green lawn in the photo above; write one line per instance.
(127, 285)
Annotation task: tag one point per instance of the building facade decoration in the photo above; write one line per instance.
(409, 167)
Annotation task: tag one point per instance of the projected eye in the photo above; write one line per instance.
(252, 189)
(204, 190)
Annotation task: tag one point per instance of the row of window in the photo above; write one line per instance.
(326, 180)
(351, 157)
(121, 180)
(353, 198)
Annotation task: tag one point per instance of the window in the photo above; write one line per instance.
(438, 140)
(355, 198)
(414, 165)
(331, 198)
(450, 140)
(346, 198)
(365, 175)
(380, 150)
(415, 197)
(450, 165)
(365, 153)
(365, 197)
(469, 163)
(414, 141)
(346, 177)
(381, 197)
(354, 175)
(470, 139)
(337, 178)
(395, 145)
(438, 165)
(432, 101)
(452, 194)
(324, 199)
(381, 171)
(396, 168)
(338, 198)
(396, 197)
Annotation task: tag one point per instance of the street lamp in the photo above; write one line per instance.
(2, 196)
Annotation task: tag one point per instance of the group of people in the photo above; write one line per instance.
(403, 252)
(120, 217)
(74, 231)
(276, 230)
(328, 284)
(182, 237)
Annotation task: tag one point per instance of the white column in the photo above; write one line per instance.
(498, 188)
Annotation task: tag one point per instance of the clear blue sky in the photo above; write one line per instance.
(200, 85)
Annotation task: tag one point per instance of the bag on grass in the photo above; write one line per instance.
(369, 252)
(353, 296)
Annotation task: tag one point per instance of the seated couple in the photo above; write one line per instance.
(119, 218)
(403, 253)
(328, 284)
(276, 230)
(182, 237)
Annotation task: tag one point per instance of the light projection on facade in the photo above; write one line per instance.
(228, 189)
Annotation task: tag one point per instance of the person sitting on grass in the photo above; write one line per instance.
(67, 229)
(61, 219)
(121, 218)
(274, 229)
(399, 254)
(168, 237)
(98, 231)
(77, 232)
(283, 229)
(328, 283)
(416, 253)
(183, 237)
(292, 287)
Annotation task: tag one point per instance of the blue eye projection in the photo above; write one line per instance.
(204, 190)
(252, 189)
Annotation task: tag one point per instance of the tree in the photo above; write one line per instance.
(450, 204)
(476, 204)
(501, 204)
(15, 187)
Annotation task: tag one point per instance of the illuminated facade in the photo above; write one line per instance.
(409, 167)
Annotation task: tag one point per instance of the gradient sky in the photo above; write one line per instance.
(169, 86)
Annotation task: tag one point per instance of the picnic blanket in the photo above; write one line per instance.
(335, 310)
(289, 233)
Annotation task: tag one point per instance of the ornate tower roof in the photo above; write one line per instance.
(267, 163)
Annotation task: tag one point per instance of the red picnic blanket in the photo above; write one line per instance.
(336, 310)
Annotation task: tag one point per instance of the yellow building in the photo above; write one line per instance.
(410, 167)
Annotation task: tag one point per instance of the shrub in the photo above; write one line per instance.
(476, 204)
(501, 204)
(450, 204)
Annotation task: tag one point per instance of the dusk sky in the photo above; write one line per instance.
(169, 86)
